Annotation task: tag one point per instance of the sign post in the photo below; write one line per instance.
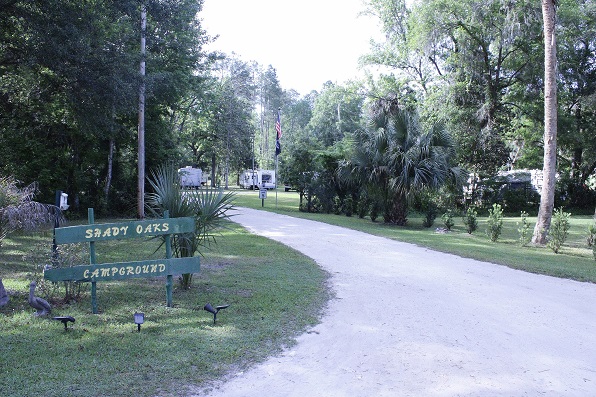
(117, 271)
(262, 196)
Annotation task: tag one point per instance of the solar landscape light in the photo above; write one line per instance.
(213, 310)
(65, 320)
(139, 319)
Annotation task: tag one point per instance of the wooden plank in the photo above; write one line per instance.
(123, 230)
(125, 270)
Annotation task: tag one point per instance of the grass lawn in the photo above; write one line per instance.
(574, 261)
(274, 294)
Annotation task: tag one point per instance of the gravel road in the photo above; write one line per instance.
(408, 321)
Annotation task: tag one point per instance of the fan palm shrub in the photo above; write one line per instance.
(210, 208)
(394, 158)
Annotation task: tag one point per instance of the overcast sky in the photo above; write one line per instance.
(308, 42)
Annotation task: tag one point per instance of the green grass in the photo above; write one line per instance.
(574, 261)
(274, 294)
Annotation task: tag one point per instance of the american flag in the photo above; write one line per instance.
(278, 132)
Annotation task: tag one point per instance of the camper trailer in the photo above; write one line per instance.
(257, 179)
(190, 178)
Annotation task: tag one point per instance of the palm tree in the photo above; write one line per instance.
(208, 207)
(547, 196)
(18, 210)
(394, 159)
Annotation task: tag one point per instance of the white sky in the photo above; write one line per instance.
(308, 42)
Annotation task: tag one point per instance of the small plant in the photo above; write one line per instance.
(337, 205)
(495, 222)
(559, 230)
(448, 219)
(591, 239)
(363, 206)
(348, 206)
(67, 255)
(430, 214)
(525, 235)
(374, 211)
(471, 220)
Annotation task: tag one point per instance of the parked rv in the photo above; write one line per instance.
(257, 179)
(190, 178)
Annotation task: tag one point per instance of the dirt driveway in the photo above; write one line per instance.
(408, 321)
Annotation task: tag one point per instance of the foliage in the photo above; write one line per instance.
(427, 204)
(471, 220)
(591, 238)
(208, 207)
(525, 234)
(495, 222)
(374, 211)
(559, 230)
(69, 92)
(395, 158)
(19, 211)
(363, 205)
(448, 219)
(66, 255)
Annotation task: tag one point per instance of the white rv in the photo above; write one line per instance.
(257, 179)
(190, 178)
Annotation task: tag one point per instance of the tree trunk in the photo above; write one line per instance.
(106, 190)
(397, 211)
(547, 197)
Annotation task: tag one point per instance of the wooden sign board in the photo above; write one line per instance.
(124, 230)
(125, 270)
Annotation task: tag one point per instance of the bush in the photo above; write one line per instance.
(448, 219)
(559, 230)
(337, 205)
(363, 206)
(430, 215)
(348, 206)
(591, 239)
(525, 234)
(374, 211)
(426, 203)
(495, 222)
(471, 220)
(68, 255)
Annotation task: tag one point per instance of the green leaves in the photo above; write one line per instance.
(209, 208)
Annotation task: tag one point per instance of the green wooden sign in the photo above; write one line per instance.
(125, 270)
(118, 231)
(117, 271)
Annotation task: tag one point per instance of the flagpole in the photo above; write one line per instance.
(277, 148)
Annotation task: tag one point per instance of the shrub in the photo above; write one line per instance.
(337, 205)
(471, 220)
(430, 214)
(363, 206)
(591, 239)
(68, 255)
(374, 211)
(448, 219)
(559, 230)
(426, 203)
(525, 234)
(495, 222)
(348, 206)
